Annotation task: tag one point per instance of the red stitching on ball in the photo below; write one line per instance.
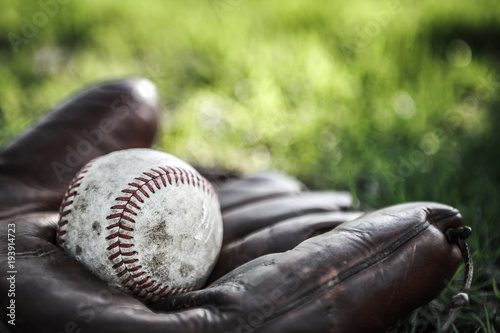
(155, 287)
(67, 202)
(128, 267)
(124, 208)
(64, 204)
(123, 272)
(112, 246)
(134, 194)
(115, 255)
(64, 213)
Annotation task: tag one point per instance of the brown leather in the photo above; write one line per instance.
(36, 168)
(340, 280)
(256, 187)
(279, 237)
(243, 220)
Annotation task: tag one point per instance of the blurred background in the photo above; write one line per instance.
(392, 100)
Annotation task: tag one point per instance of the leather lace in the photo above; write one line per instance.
(460, 300)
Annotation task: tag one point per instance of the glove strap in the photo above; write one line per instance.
(460, 300)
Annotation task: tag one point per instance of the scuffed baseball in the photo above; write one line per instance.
(144, 221)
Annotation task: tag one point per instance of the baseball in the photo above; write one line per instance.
(144, 221)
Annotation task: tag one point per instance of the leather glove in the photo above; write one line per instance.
(289, 262)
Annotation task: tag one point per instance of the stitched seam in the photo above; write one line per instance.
(121, 228)
(67, 202)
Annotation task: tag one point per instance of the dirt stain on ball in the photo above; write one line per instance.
(186, 269)
(158, 234)
(96, 227)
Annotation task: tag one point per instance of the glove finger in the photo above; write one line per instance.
(243, 220)
(279, 237)
(37, 167)
(256, 187)
(359, 277)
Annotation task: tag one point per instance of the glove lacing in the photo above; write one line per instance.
(460, 300)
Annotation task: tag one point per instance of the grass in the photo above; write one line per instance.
(393, 100)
